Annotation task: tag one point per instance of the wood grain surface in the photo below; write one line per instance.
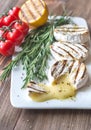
(17, 119)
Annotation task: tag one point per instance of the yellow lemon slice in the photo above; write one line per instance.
(34, 12)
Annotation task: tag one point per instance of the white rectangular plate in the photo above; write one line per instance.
(19, 97)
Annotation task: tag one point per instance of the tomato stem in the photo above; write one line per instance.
(2, 39)
(19, 21)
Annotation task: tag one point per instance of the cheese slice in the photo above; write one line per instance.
(67, 51)
(34, 12)
(72, 33)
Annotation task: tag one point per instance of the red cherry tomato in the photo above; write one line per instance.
(1, 24)
(6, 47)
(12, 15)
(7, 20)
(1, 32)
(1, 21)
(15, 36)
(22, 26)
(14, 12)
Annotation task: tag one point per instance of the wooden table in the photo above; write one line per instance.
(18, 119)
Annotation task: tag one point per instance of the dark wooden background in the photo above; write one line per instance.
(20, 119)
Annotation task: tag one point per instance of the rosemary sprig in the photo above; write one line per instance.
(35, 52)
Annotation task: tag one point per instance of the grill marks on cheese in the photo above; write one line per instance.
(68, 76)
(67, 51)
(77, 71)
(61, 67)
(71, 28)
(32, 10)
(34, 87)
(72, 33)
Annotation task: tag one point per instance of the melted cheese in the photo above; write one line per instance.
(60, 88)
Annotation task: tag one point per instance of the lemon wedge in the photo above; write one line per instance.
(34, 12)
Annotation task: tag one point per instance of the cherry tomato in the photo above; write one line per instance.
(1, 21)
(3, 33)
(14, 12)
(15, 36)
(12, 15)
(6, 47)
(22, 26)
(7, 20)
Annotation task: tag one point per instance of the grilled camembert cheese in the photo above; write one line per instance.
(68, 76)
(72, 33)
(76, 71)
(34, 12)
(67, 51)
